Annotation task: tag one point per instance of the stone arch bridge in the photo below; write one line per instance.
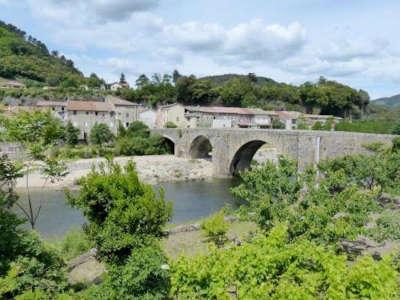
(232, 150)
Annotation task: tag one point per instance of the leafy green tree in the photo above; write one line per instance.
(25, 262)
(122, 79)
(101, 134)
(142, 81)
(170, 124)
(122, 212)
(71, 134)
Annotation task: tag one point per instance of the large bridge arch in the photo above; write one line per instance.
(201, 147)
(243, 157)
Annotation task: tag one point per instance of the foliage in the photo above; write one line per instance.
(145, 275)
(74, 243)
(277, 124)
(39, 128)
(387, 226)
(367, 126)
(25, 262)
(71, 134)
(27, 57)
(170, 124)
(123, 213)
(215, 228)
(100, 134)
(396, 129)
(274, 268)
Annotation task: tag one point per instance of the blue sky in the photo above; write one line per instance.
(352, 41)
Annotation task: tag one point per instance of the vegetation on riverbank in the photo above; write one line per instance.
(303, 220)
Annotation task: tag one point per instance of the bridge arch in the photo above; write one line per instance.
(168, 144)
(242, 158)
(201, 147)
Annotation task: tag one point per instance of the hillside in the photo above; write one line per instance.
(225, 78)
(22, 56)
(393, 101)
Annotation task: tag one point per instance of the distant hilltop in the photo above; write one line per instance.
(393, 101)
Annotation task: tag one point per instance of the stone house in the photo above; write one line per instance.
(148, 117)
(125, 111)
(85, 114)
(58, 107)
(293, 119)
(226, 117)
(174, 113)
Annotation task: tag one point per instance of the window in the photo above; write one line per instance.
(62, 108)
(74, 112)
(127, 124)
(87, 112)
(96, 113)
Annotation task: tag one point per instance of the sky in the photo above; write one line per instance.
(352, 41)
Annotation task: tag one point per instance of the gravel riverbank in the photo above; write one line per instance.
(151, 169)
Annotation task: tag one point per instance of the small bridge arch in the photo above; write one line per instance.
(169, 144)
(201, 147)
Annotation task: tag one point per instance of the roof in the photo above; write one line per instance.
(89, 106)
(120, 102)
(226, 110)
(289, 114)
(44, 103)
(322, 117)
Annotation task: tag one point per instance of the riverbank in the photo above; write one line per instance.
(152, 169)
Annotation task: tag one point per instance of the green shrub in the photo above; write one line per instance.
(215, 228)
(170, 124)
(101, 134)
(74, 243)
(145, 275)
(122, 211)
(272, 267)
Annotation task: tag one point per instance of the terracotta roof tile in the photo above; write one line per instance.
(227, 110)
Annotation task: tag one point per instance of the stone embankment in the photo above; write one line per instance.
(151, 169)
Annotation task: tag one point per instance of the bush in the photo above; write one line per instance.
(396, 129)
(71, 134)
(145, 275)
(122, 211)
(272, 267)
(215, 228)
(170, 124)
(101, 134)
(74, 243)
(277, 124)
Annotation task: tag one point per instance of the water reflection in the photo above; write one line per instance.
(192, 200)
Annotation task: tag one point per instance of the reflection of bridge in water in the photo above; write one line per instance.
(232, 150)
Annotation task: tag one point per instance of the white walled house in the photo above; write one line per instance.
(174, 113)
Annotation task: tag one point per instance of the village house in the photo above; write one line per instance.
(227, 117)
(295, 119)
(115, 86)
(148, 117)
(171, 113)
(85, 114)
(125, 111)
(58, 107)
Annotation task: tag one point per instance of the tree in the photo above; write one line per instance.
(26, 264)
(142, 81)
(101, 134)
(123, 213)
(122, 79)
(71, 134)
(175, 76)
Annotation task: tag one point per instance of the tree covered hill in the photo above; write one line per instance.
(22, 56)
(225, 78)
(393, 101)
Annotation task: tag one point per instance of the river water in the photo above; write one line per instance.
(191, 200)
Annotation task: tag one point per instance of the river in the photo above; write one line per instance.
(192, 200)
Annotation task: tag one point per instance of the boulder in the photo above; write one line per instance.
(85, 269)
